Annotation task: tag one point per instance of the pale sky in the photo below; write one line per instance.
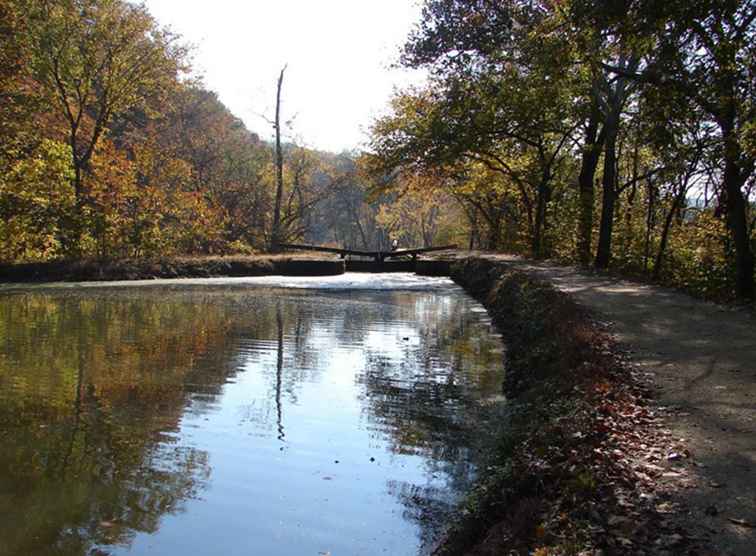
(337, 51)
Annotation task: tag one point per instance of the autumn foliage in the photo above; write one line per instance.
(112, 149)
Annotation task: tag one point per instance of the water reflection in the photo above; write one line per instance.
(170, 420)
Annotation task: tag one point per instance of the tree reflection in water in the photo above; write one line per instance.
(98, 389)
(89, 391)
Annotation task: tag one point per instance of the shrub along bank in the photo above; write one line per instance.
(564, 477)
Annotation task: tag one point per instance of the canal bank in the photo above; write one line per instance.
(172, 267)
(211, 267)
(578, 468)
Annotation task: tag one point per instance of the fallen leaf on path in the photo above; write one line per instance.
(671, 540)
(616, 520)
(654, 468)
(665, 508)
(741, 522)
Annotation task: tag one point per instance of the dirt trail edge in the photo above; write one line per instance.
(701, 360)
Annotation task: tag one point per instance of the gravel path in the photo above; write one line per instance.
(701, 359)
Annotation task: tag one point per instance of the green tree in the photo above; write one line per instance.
(495, 99)
(703, 52)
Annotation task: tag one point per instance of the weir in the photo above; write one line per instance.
(377, 256)
(398, 260)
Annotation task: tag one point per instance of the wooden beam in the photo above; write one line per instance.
(335, 250)
(416, 252)
(379, 256)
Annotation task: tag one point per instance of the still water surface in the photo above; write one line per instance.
(249, 416)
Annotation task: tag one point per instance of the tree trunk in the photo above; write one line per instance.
(275, 236)
(650, 222)
(588, 165)
(363, 237)
(494, 233)
(676, 203)
(473, 231)
(473, 216)
(72, 242)
(735, 204)
(604, 251)
(737, 223)
(539, 228)
(629, 231)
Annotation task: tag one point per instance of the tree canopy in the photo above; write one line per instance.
(618, 134)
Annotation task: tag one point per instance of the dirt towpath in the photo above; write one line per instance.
(701, 360)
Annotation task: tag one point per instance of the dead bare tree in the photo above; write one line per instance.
(275, 236)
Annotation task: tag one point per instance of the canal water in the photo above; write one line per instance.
(275, 416)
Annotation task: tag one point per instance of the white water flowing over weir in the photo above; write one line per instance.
(406, 281)
(403, 281)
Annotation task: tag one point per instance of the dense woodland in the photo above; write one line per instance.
(615, 134)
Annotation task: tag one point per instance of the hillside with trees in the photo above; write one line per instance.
(112, 149)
